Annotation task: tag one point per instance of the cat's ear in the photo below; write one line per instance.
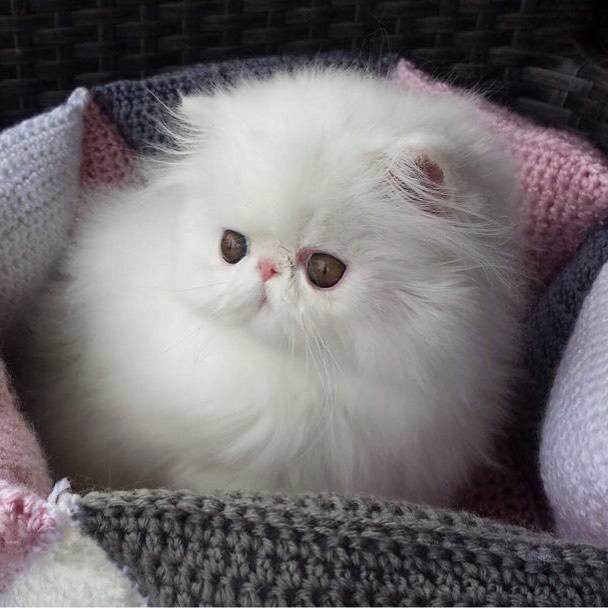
(420, 168)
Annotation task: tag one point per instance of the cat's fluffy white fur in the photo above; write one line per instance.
(153, 361)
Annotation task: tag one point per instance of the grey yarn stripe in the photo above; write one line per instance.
(137, 107)
(328, 550)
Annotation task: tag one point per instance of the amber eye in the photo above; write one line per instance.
(233, 246)
(324, 270)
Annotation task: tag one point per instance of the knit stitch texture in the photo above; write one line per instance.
(46, 560)
(574, 447)
(106, 159)
(41, 561)
(329, 550)
(27, 526)
(39, 185)
(21, 459)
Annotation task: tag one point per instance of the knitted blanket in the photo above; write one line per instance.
(182, 549)
(333, 550)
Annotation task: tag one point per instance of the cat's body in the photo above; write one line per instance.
(154, 360)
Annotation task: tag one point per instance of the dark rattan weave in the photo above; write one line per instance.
(543, 57)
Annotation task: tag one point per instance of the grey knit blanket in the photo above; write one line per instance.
(329, 550)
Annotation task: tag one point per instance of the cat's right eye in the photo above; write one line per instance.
(233, 246)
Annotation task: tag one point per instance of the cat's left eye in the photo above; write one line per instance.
(233, 246)
(324, 270)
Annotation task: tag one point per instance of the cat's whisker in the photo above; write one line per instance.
(326, 372)
(292, 340)
(328, 351)
(320, 420)
(329, 389)
(309, 354)
(327, 410)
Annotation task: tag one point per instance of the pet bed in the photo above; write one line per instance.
(176, 548)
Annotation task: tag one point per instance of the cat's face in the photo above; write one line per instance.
(319, 222)
(301, 245)
(270, 255)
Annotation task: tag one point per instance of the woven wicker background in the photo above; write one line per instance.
(546, 58)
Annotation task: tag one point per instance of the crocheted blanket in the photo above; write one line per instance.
(179, 549)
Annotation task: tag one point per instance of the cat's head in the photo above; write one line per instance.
(331, 211)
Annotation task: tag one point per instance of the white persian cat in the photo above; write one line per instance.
(315, 291)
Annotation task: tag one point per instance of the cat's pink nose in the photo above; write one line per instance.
(267, 269)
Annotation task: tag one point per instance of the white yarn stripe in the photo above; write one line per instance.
(574, 447)
(39, 184)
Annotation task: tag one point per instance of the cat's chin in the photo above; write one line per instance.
(260, 321)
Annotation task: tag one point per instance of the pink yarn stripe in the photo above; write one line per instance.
(564, 179)
(106, 159)
(21, 459)
(27, 525)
